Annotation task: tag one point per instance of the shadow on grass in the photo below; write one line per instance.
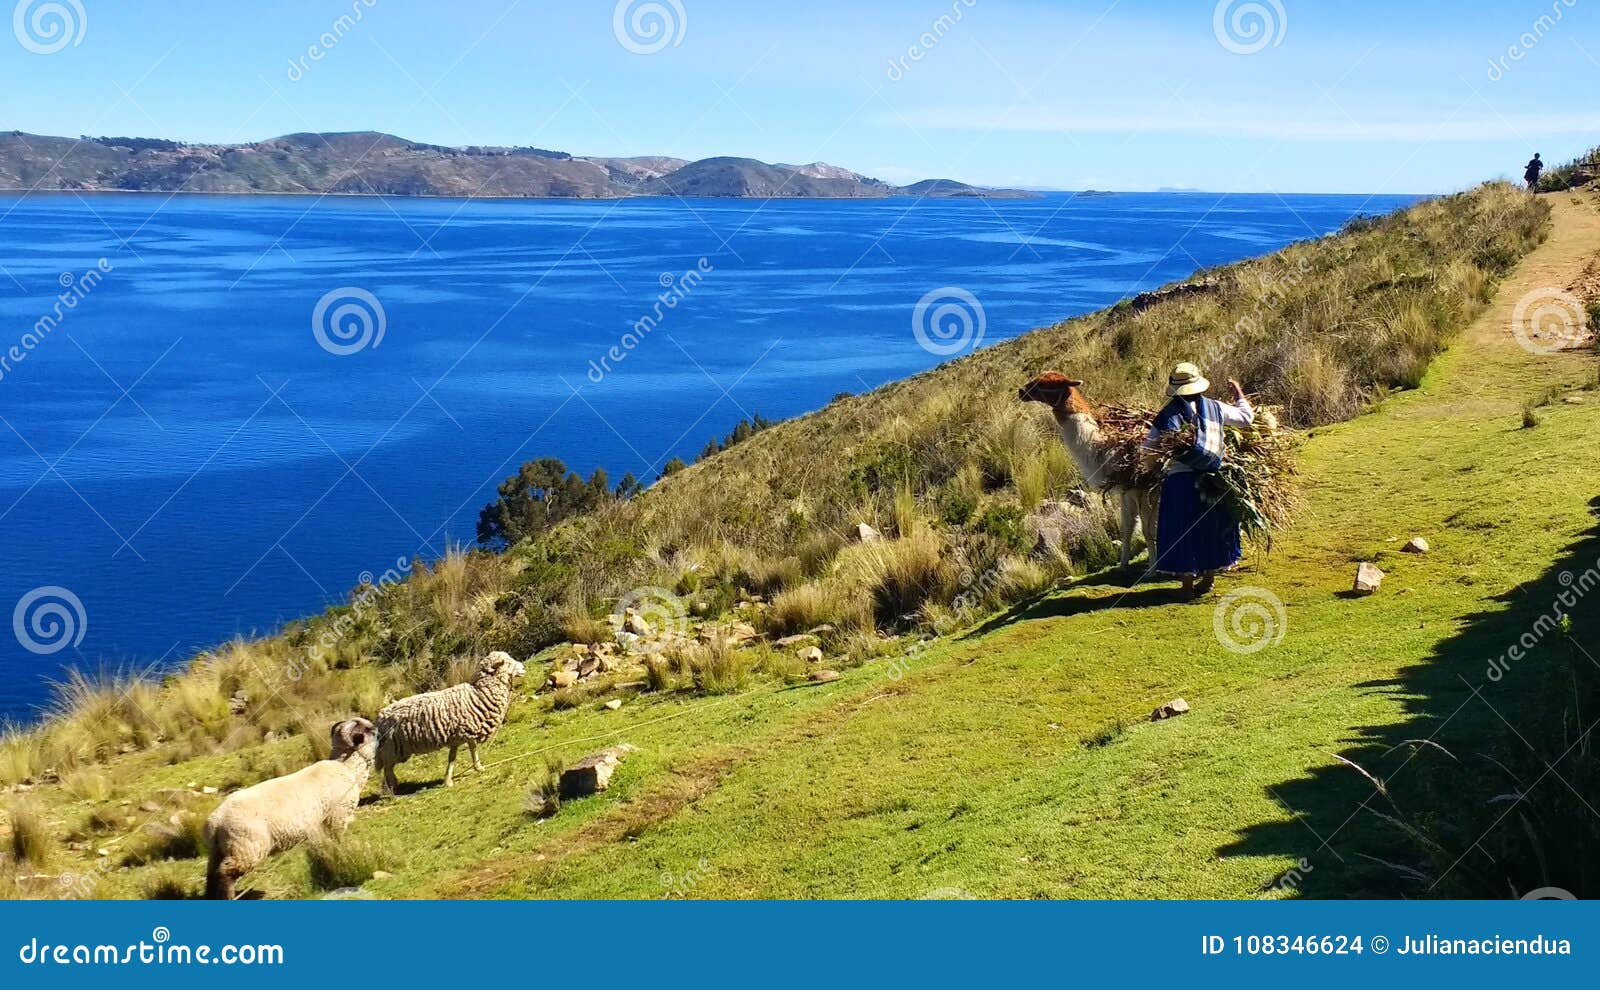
(1490, 787)
(1143, 590)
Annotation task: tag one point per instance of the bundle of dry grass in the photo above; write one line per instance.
(1257, 483)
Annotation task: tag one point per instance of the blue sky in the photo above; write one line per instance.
(1354, 96)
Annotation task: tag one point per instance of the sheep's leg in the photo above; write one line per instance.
(1129, 517)
(472, 747)
(221, 874)
(450, 767)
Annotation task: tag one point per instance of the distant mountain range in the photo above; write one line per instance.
(370, 163)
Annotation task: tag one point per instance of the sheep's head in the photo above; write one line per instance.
(1060, 393)
(500, 666)
(354, 735)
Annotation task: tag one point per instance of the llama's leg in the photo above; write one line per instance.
(1147, 523)
(390, 782)
(1129, 517)
(450, 767)
(472, 747)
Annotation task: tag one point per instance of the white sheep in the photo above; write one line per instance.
(467, 713)
(313, 803)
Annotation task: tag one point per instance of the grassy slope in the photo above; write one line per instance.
(970, 771)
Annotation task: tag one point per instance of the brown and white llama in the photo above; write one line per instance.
(1080, 434)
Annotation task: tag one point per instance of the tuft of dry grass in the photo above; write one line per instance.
(32, 842)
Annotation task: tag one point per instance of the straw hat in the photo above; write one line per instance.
(1186, 380)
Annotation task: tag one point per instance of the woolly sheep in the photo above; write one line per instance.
(316, 802)
(467, 713)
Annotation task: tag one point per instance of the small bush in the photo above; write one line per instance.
(170, 884)
(31, 841)
(345, 862)
(88, 785)
(181, 837)
(813, 604)
(718, 668)
(543, 797)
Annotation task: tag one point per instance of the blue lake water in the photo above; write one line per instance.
(183, 458)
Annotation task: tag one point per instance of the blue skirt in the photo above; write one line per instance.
(1191, 536)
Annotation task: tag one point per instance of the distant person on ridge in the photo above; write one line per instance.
(1194, 538)
(1531, 173)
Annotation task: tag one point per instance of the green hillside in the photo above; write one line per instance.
(989, 733)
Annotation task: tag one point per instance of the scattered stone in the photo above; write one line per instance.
(823, 676)
(614, 704)
(1368, 578)
(592, 774)
(634, 623)
(811, 654)
(1416, 545)
(866, 534)
(239, 702)
(700, 607)
(798, 639)
(102, 852)
(381, 875)
(1172, 709)
(208, 789)
(149, 807)
(1573, 400)
(563, 678)
(821, 630)
(588, 666)
(1079, 497)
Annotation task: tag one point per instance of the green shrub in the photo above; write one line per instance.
(345, 862)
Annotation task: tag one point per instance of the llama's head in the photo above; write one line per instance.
(1060, 393)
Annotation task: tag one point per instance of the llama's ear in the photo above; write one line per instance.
(1074, 382)
(339, 737)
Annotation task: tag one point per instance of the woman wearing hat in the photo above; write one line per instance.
(1195, 539)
